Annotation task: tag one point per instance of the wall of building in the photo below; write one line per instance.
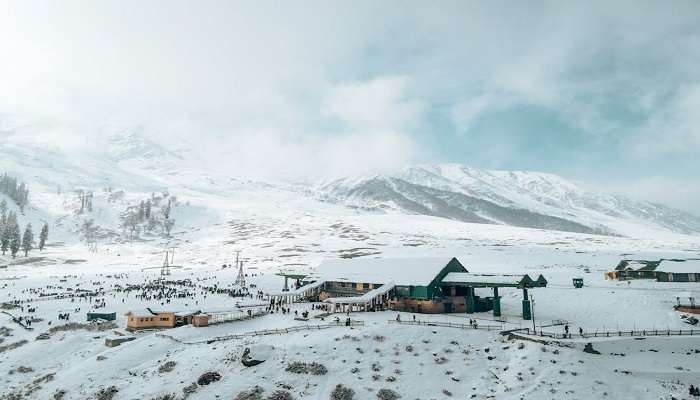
(455, 304)
(162, 320)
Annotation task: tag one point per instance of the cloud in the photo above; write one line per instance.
(377, 104)
(337, 87)
(674, 128)
(680, 193)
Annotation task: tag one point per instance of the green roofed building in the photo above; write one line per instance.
(420, 285)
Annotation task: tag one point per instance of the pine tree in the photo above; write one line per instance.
(3, 216)
(147, 209)
(27, 239)
(168, 226)
(43, 236)
(15, 239)
(142, 211)
(6, 233)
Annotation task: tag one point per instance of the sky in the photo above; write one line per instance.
(602, 92)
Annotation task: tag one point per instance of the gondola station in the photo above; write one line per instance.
(419, 285)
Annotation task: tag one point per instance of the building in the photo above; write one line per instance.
(633, 269)
(95, 316)
(150, 319)
(663, 270)
(420, 285)
(678, 271)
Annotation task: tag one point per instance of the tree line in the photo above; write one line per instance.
(15, 190)
(10, 238)
(150, 215)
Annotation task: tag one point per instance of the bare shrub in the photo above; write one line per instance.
(387, 394)
(342, 393)
(251, 394)
(167, 366)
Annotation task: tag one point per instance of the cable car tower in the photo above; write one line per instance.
(167, 262)
(240, 278)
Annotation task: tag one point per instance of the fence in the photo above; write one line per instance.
(633, 333)
(448, 325)
(264, 332)
(220, 318)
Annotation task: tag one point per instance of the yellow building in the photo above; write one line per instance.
(150, 320)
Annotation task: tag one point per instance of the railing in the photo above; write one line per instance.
(448, 325)
(620, 333)
(264, 332)
(220, 318)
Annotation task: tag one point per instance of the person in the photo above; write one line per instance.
(398, 317)
(566, 330)
(580, 331)
(691, 390)
(414, 317)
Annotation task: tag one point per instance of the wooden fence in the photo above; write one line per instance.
(448, 325)
(619, 333)
(264, 332)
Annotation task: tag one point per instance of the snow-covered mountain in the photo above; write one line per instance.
(139, 166)
(517, 198)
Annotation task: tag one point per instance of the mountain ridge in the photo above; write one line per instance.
(518, 198)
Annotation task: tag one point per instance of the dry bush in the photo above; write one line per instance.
(280, 395)
(387, 394)
(106, 393)
(342, 393)
(167, 366)
(313, 368)
(251, 394)
(13, 346)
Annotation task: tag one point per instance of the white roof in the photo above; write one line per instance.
(461, 277)
(681, 267)
(365, 298)
(300, 290)
(634, 265)
(401, 271)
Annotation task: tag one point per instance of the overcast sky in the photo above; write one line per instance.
(607, 93)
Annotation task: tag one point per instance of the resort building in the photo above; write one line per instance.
(420, 285)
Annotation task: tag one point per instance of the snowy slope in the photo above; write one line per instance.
(518, 198)
(139, 166)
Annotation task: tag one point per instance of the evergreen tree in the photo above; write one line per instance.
(168, 226)
(43, 236)
(3, 217)
(27, 239)
(6, 233)
(147, 209)
(142, 211)
(15, 239)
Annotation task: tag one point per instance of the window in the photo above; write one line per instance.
(365, 285)
(164, 318)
